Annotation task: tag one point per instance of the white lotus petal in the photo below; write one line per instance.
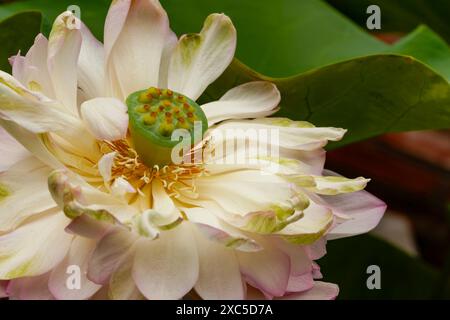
(105, 165)
(32, 142)
(244, 192)
(136, 33)
(18, 63)
(163, 204)
(23, 193)
(335, 185)
(11, 151)
(313, 225)
(296, 135)
(106, 118)
(216, 230)
(30, 110)
(363, 209)
(250, 100)
(63, 52)
(357, 212)
(268, 270)
(91, 65)
(201, 58)
(77, 198)
(121, 284)
(108, 254)
(168, 267)
(219, 276)
(169, 47)
(122, 187)
(78, 256)
(301, 262)
(32, 70)
(25, 251)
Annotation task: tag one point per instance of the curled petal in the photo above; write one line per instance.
(167, 212)
(311, 227)
(357, 212)
(122, 187)
(77, 199)
(329, 185)
(338, 185)
(216, 230)
(105, 166)
(145, 226)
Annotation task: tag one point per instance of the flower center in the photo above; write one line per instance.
(176, 179)
(155, 115)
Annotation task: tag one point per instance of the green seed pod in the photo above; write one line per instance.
(154, 116)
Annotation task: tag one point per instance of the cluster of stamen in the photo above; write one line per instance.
(127, 165)
(163, 111)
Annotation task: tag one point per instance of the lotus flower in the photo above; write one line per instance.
(88, 182)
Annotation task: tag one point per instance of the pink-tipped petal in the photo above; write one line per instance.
(268, 270)
(108, 253)
(320, 291)
(363, 209)
(220, 277)
(61, 285)
(300, 283)
(88, 227)
(30, 288)
(3, 286)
